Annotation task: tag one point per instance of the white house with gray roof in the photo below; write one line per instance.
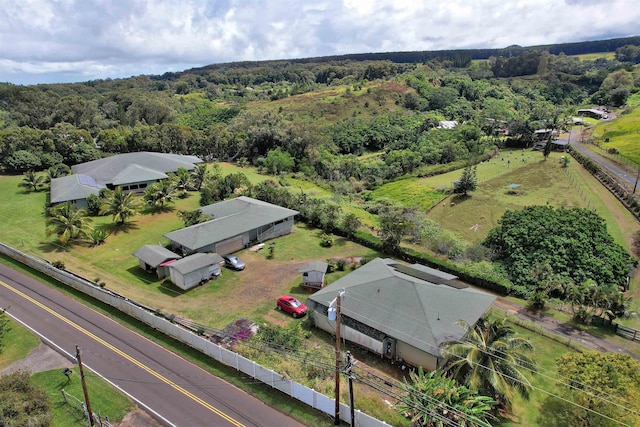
(399, 311)
(194, 269)
(133, 172)
(235, 224)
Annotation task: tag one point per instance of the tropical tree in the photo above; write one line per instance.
(31, 181)
(120, 204)
(181, 179)
(22, 402)
(490, 360)
(595, 389)
(68, 223)
(97, 237)
(193, 217)
(158, 194)
(467, 182)
(434, 400)
(199, 176)
(350, 224)
(393, 227)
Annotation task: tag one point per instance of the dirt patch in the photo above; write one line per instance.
(41, 358)
(138, 418)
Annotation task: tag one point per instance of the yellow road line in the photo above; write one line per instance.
(125, 355)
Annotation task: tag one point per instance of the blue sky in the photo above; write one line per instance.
(59, 41)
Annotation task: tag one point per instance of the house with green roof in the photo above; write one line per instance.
(132, 172)
(235, 224)
(401, 312)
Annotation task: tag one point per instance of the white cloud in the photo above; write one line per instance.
(77, 40)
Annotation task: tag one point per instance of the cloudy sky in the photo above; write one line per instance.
(52, 41)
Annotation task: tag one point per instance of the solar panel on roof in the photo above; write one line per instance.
(427, 277)
(88, 180)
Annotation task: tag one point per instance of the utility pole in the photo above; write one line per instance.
(349, 373)
(336, 420)
(84, 388)
(333, 313)
(636, 184)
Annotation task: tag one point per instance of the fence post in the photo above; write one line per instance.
(64, 396)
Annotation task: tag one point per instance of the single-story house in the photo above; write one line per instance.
(236, 224)
(194, 269)
(132, 172)
(155, 258)
(399, 311)
(593, 113)
(544, 134)
(313, 274)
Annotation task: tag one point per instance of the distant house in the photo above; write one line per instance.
(235, 224)
(447, 124)
(544, 134)
(399, 311)
(132, 172)
(155, 258)
(593, 113)
(194, 269)
(313, 274)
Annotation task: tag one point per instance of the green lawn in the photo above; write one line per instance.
(596, 55)
(18, 342)
(622, 134)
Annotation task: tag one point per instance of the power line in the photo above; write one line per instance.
(394, 313)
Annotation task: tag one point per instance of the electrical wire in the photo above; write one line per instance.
(409, 317)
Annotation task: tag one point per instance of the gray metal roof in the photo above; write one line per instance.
(154, 255)
(405, 307)
(137, 173)
(230, 218)
(73, 187)
(314, 266)
(195, 262)
(105, 170)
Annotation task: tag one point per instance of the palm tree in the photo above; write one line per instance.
(199, 176)
(121, 205)
(68, 223)
(31, 181)
(489, 358)
(158, 194)
(181, 179)
(434, 400)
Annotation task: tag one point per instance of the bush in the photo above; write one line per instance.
(341, 264)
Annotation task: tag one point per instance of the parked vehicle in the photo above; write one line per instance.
(291, 305)
(233, 262)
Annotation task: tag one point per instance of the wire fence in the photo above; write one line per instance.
(77, 403)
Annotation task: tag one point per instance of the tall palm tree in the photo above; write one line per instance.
(31, 181)
(489, 360)
(121, 205)
(68, 223)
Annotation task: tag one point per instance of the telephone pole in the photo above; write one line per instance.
(336, 420)
(84, 388)
(333, 313)
(349, 372)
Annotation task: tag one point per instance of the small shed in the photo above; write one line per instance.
(313, 274)
(195, 269)
(155, 258)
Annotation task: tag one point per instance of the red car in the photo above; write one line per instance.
(291, 305)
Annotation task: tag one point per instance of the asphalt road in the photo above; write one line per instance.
(622, 175)
(174, 391)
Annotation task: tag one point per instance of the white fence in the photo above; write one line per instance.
(150, 317)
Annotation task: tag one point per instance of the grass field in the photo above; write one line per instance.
(596, 55)
(18, 341)
(622, 134)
